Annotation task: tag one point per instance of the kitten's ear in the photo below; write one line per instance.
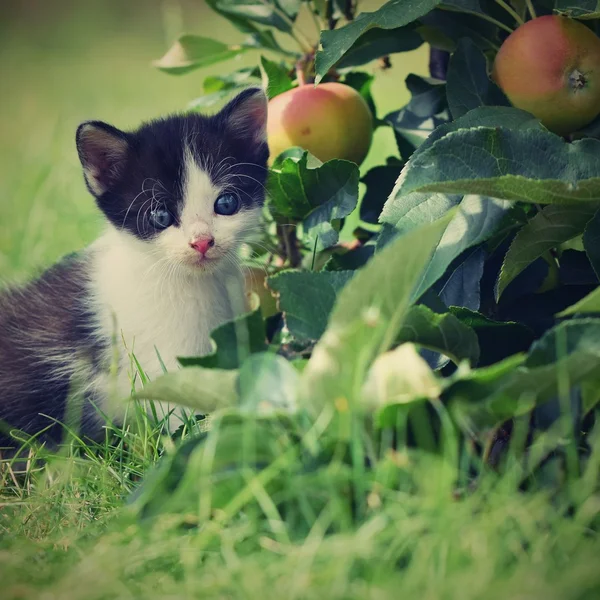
(246, 114)
(102, 151)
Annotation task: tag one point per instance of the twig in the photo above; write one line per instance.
(289, 243)
(489, 19)
(511, 11)
(530, 8)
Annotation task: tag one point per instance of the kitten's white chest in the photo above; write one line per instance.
(156, 314)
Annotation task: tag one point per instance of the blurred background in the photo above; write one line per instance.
(65, 61)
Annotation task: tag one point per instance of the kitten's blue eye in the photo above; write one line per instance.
(227, 204)
(160, 218)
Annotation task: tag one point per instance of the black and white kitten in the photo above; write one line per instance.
(180, 194)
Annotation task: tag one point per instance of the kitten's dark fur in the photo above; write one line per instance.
(53, 318)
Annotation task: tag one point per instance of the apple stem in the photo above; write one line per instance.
(511, 11)
(304, 66)
(300, 76)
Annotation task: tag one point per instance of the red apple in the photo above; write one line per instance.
(550, 67)
(331, 120)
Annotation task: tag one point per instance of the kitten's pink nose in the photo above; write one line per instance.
(203, 244)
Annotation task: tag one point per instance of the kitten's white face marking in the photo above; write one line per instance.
(198, 220)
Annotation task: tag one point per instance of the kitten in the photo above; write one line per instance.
(179, 195)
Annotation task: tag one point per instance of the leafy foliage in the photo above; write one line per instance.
(451, 314)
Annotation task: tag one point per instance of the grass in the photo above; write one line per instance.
(66, 530)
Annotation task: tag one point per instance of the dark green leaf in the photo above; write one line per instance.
(497, 339)
(307, 298)
(591, 242)
(234, 341)
(380, 42)
(275, 77)
(504, 153)
(484, 398)
(258, 38)
(443, 29)
(426, 110)
(468, 85)
(191, 52)
(265, 13)
(475, 221)
(549, 228)
(442, 333)
(315, 195)
(392, 15)
(462, 288)
(380, 182)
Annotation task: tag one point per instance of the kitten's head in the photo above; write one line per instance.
(190, 187)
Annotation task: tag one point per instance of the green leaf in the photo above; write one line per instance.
(589, 304)
(307, 298)
(218, 88)
(380, 182)
(497, 339)
(591, 242)
(475, 221)
(380, 42)
(268, 384)
(569, 353)
(578, 335)
(265, 13)
(275, 77)
(392, 15)
(234, 341)
(427, 109)
(462, 287)
(550, 227)
(468, 84)
(443, 29)
(504, 153)
(191, 52)
(199, 388)
(314, 195)
(367, 317)
(442, 333)
(579, 9)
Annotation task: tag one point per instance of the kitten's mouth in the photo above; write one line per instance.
(202, 263)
